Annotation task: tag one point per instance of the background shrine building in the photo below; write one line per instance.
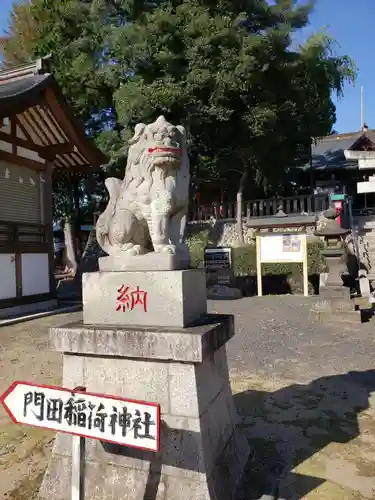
(40, 142)
(337, 166)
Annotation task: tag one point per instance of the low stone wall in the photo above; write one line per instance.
(223, 233)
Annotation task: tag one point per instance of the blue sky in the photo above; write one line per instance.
(351, 24)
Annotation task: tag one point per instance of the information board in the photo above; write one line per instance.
(273, 248)
(281, 247)
(218, 258)
(218, 264)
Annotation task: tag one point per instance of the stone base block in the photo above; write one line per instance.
(203, 451)
(218, 292)
(152, 298)
(328, 292)
(131, 476)
(334, 299)
(148, 262)
(180, 344)
(325, 317)
(334, 305)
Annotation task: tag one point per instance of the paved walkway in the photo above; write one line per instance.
(311, 422)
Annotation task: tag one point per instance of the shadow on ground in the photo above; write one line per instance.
(301, 436)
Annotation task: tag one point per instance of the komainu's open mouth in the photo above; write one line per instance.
(164, 150)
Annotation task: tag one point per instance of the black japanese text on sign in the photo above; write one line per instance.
(108, 418)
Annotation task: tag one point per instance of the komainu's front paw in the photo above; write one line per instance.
(171, 249)
(131, 249)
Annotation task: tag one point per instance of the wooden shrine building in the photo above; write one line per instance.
(40, 140)
(334, 166)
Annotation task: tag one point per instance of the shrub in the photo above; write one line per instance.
(244, 258)
(197, 243)
(244, 264)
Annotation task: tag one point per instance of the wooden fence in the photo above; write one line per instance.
(306, 204)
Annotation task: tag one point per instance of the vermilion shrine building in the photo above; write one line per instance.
(40, 141)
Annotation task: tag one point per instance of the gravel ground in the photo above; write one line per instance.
(24, 451)
(276, 339)
(291, 388)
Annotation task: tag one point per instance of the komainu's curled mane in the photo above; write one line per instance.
(147, 210)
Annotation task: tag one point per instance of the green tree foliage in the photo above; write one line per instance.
(229, 70)
(17, 46)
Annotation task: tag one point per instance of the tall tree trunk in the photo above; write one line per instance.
(239, 224)
(70, 253)
(69, 231)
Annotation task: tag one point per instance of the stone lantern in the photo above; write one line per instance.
(333, 250)
(334, 297)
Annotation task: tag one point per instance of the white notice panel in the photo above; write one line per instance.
(281, 247)
(366, 187)
(35, 273)
(366, 163)
(273, 248)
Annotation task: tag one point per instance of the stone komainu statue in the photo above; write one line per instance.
(147, 210)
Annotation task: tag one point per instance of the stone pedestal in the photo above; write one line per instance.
(202, 449)
(147, 262)
(150, 298)
(334, 298)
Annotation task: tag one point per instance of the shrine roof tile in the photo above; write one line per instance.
(328, 152)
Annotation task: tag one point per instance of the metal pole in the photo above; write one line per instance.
(77, 467)
(78, 462)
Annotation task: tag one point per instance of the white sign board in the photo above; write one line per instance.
(366, 187)
(366, 163)
(273, 248)
(97, 416)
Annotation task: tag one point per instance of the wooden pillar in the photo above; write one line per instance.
(17, 261)
(76, 198)
(71, 221)
(77, 219)
(48, 223)
(312, 176)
